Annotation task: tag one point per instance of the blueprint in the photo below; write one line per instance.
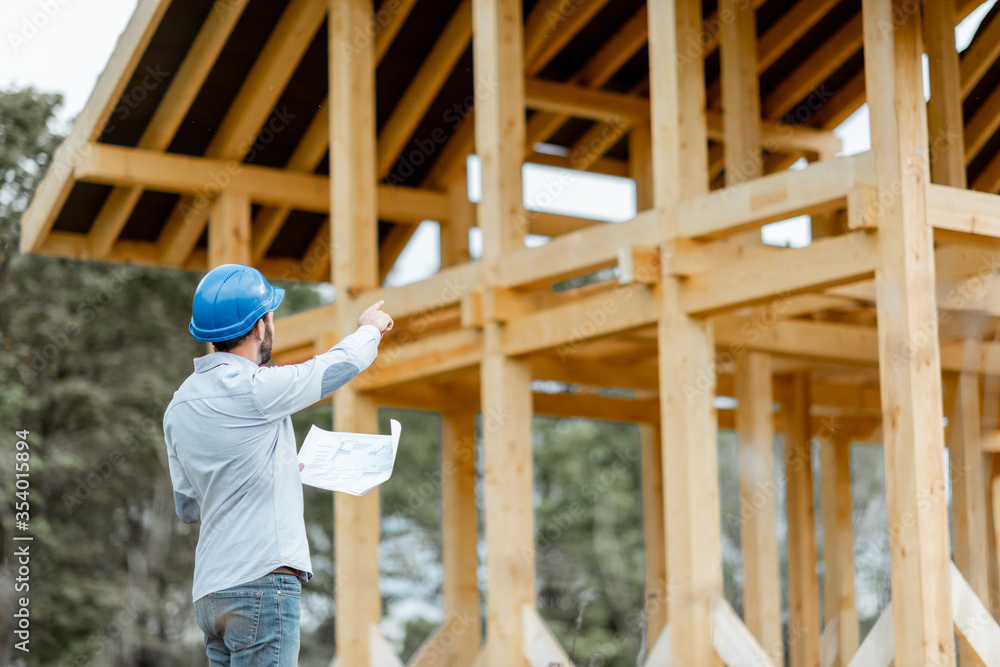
(353, 463)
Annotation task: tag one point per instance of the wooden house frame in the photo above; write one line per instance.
(879, 328)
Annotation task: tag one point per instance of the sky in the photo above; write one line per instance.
(63, 45)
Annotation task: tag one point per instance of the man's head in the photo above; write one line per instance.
(254, 344)
(232, 310)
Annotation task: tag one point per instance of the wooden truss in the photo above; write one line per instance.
(882, 326)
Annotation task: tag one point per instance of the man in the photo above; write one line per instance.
(234, 469)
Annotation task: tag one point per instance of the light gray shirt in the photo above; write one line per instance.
(233, 460)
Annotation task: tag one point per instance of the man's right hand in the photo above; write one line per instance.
(374, 316)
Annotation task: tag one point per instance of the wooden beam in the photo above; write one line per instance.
(229, 230)
(803, 585)
(424, 87)
(356, 538)
(312, 148)
(505, 386)
(779, 37)
(551, 25)
(944, 110)
(354, 267)
(566, 327)
(979, 56)
(910, 360)
(461, 219)
(814, 69)
(758, 510)
(354, 202)
(500, 125)
(55, 187)
(576, 253)
(641, 165)
(653, 531)
(779, 136)
(963, 210)
(838, 545)
(204, 178)
(391, 15)
(601, 66)
(819, 187)
(685, 347)
(964, 440)
(741, 94)
(458, 524)
(837, 259)
(580, 102)
(249, 111)
(169, 115)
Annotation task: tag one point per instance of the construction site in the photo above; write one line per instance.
(310, 138)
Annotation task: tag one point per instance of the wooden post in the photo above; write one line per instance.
(968, 506)
(506, 382)
(654, 531)
(758, 513)
(354, 267)
(993, 498)
(944, 109)
(838, 544)
(909, 357)
(803, 584)
(458, 498)
(353, 198)
(357, 522)
(640, 165)
(455, 232)
(685, 345)
(229, 229)
(740, 92)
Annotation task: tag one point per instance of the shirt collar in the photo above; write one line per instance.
(214, 359)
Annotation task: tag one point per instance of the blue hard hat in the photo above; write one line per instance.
(229, 301)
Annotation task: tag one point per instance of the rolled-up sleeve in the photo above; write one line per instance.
(282, 390)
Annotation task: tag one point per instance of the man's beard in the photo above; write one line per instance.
(265, 347)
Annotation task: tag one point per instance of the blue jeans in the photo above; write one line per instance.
(255, 624)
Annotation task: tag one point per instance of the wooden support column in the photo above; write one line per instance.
(803, 584)
(506, 382)
(685, 345)
(968, 505)
(758, 513)
(357, 522)
(838, 545)
(640, 165)
(993, 498)
(654, 531)
(354, 267)
(458, 496)
(462, 217)
(740, 91)
(353, 198)
(229, 229)
(909, 356)
(945, 123)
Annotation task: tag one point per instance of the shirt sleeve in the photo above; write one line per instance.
(186, 501)
(282, 390)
